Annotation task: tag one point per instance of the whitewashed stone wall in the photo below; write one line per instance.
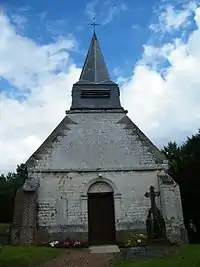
(95, 143)
(63, 197)
(172, 212)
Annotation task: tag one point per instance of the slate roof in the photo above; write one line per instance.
(95, 90)
(94, 69)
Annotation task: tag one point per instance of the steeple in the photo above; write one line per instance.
(94, 69)
(95, 90)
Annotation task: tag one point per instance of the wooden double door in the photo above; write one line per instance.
(101, 218)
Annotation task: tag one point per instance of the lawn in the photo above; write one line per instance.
(186, 256)
(4, 227)
(24, 256)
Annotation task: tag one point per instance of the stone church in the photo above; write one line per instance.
(90, 177)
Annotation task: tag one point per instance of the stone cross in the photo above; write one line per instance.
(155, 223)
(152, 195)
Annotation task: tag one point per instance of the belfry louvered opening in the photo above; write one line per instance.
(89, 93)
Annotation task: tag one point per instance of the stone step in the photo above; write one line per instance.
(104, 249)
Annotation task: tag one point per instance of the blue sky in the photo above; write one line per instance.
(151, 48)
(124, 26)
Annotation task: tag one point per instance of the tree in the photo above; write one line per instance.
(184, 167)
(9, 184)
(175, 158)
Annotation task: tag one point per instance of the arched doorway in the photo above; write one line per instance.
(101, 217)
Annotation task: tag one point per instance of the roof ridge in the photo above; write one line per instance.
(50, 139)
(158, 155)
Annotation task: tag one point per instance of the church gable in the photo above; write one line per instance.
(158, 155)
(94, 141)
(59, 131)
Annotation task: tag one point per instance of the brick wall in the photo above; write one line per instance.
(23, 230)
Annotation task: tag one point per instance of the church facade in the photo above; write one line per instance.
(88, 180)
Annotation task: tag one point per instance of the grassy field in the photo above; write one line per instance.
(187, 256)
(24, 256)
(4, 227)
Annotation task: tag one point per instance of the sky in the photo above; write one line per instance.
(151, 48)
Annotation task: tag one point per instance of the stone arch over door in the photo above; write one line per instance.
(100, 187)
(101, 180)
(101, 213)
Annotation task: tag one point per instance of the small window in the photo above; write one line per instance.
(103, 93)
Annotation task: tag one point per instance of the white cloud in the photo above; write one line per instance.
(167, 109)
(19, 20)
(112, 12)
(107, 10)
(172, 19)
(197, 17)
(31, 68)
(90, 9)
(30, 60)
(154, 54)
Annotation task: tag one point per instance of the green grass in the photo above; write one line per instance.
(25, 256)
(186, 256)
(4, 227)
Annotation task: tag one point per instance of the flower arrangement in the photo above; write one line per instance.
(53, 243)
(68, 243)
(136, 239)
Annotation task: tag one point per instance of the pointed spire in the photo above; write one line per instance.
(94, 69)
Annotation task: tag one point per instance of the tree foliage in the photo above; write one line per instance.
(184, 167)
(184, 160)
(9, 184)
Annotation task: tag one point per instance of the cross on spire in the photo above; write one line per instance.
(94, 24)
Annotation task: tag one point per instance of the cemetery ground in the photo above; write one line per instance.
(26, 256)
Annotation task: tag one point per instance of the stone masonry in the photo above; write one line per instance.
(67, 168)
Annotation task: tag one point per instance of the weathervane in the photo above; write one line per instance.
(94, 24)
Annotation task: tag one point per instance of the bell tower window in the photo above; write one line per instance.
(89, 93)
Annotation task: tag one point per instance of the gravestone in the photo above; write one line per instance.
(155, 223)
